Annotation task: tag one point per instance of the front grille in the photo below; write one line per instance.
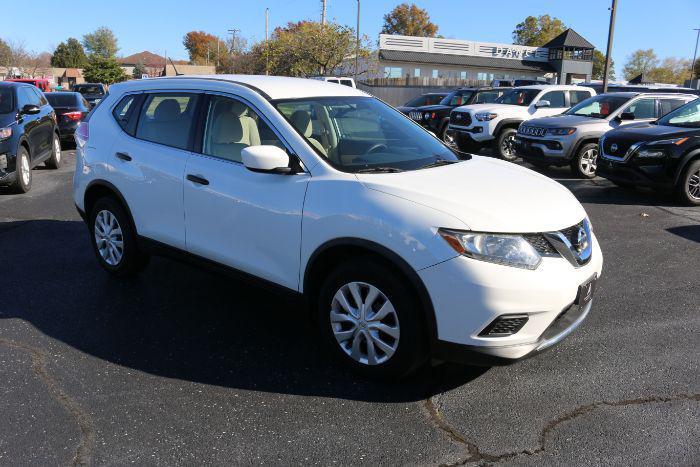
(461, 118)
(532, 130)
(571, 233)
(416, 115)
(504, 325)
(541, 244)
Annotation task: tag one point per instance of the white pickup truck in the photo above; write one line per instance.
(474, 126)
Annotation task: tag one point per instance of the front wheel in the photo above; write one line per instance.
(505, 144)
(54, 161)
(23, 172)
(369, 321)
(585, 161)
(688, 189)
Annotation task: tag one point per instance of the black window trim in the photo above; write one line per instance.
(130, 128)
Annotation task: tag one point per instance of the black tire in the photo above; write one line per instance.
(54, 161)
(410, 351)
(583, 165)
(504, 141)
(465, 144)
(20, 185)
(688, 188)
(132, 260)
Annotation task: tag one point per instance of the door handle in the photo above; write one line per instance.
(123, 156)
(197, 179)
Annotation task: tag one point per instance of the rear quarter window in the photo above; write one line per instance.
(124, 113)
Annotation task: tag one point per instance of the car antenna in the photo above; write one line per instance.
(174, 68)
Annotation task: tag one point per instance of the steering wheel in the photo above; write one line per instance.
(376, 147)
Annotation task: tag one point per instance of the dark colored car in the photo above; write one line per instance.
(436, 117)
(430, 98)
(71, 108)
(92, 92)
(664, 154)
(28, 135)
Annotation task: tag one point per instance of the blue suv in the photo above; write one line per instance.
(28, 135)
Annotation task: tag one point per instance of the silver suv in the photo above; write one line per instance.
(571, 138)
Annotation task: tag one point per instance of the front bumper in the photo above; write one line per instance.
(554, 151)
(468, 295)
(478, 132)
(652, 176)
(7, 164)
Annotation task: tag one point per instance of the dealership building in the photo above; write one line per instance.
(566, 59)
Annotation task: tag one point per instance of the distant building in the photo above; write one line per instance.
(157, 65)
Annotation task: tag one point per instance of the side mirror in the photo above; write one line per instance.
(30, 109)
(627, 116)
(266, 159)
(543, 103)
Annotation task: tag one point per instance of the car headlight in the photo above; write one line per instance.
(561, 131)
(676, 141)
(506, 249)
(5, 133)
(485, 116)
(650, 153)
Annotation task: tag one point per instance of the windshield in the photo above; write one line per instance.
(363, 134)
(425, 99)
(458, 97)
(600, 106)
(7, 103)
(687, 116)
(83, 89)
(487, 96)
(58, 99)
(518, 97)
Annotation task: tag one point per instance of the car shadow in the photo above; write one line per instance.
(180, 322)
(689, 232)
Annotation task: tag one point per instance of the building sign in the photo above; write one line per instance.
(512, 52)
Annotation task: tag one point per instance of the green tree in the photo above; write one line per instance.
(599, 66)
(409, 20)
(69, 54)
(139, 71)
(537, 31)
(101, 42)
(5, 53)
(103, 70)
(671, 70)
(640, 62)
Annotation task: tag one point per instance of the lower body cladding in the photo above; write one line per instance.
(489, 314)
(471, 139)
(546, 151)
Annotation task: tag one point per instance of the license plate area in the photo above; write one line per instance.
(585, 291)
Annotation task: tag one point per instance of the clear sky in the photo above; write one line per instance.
(158, 25)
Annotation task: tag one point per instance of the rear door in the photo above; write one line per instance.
(557, 103)
(32, 123)
(643, 109)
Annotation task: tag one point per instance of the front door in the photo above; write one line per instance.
(246, 220)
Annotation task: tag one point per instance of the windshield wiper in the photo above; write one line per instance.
(438, 163)
(379, 170)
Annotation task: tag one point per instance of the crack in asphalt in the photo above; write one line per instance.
(474, 454)
(82, 419)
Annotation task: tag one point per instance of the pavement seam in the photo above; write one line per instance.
(476, 456)
(82, 419)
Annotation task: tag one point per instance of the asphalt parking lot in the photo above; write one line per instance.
(181, 366)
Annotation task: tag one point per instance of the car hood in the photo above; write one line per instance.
(473, 108)
(404, 109)
(487, 194)
(433, 108)
(648, 131)
(558, 121)
(7, 119)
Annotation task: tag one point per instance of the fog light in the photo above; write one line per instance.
(504, 325)
(3, 161)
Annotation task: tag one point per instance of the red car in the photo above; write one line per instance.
(40, 83)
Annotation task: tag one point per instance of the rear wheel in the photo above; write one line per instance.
(23, 172)
(688, 188)
(54, 161)
(585, 161)
(505, 144)
(369, 322)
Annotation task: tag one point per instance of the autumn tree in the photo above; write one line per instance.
(102, 42)
(599, 66)
(537, 31)
(640, 62)
(69, 54)
(204, 48)
(671, 70)
(409, 20)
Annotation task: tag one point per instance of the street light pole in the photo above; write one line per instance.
(267, 53)
(695, 54)
(357, 38)
(611, 32)
(233, 44)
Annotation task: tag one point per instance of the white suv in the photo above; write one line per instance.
(402, 250)
(476, 125)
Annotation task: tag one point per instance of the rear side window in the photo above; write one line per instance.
(167, 119)
(577, 96)
(642, 108)
(124, 112)
(668, 105)
(555, 98)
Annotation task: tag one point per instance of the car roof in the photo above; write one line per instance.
(271, 87)
(555, 87)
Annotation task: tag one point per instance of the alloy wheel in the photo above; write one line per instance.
(364, 323)
(508, 146)
(25, 171)
(694, 185)
(109, 238)
(588, 162)
(57, 148)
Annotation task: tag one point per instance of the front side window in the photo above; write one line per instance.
(643, 108)
(486, 97)
(166, 118)
(358, 134)
(556, 98)
(30, 97)
(687, 116)
(522, 97)
(600, 106)
(455, 98)
(669, 105)
(232, 126)
(7, 100)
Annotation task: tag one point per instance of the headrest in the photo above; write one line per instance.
(301, 120)
(238, 109)
(227, 129)
(167, 109)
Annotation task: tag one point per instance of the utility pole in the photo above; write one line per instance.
(323, 12)
(357, 39)
(267, 37)
(233, 44)
(611, 32)
(695, 54)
